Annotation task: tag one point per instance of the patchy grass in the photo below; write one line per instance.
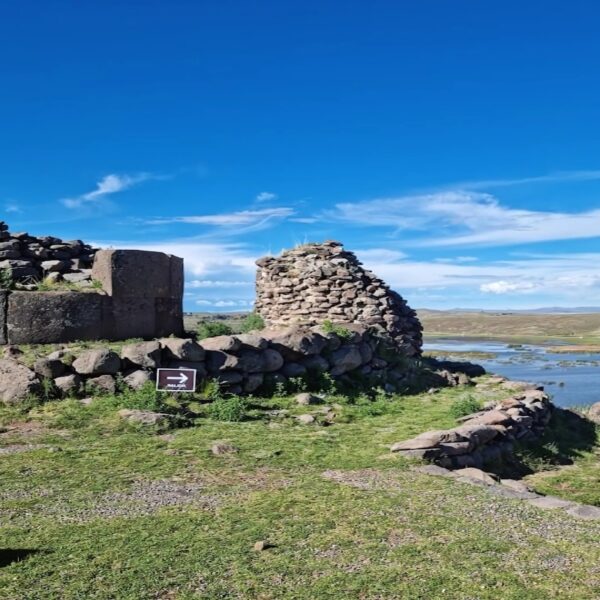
(100, 509)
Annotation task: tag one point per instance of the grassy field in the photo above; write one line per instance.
(575, 329)
(92, 507)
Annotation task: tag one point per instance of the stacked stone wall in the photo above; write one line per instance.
(242, 364)
(30, 259)
(323, 282)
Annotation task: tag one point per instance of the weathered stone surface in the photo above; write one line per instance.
(295, 343)
(551, 502)
(50, 317)
(315, 283)
(98, 361)
(305, 399)
(144, 417)
(221, 343)
(69, 385)
(143, 354)
(220, 361)
(130, 317)
(273, 361)
(223, 448)
(138, 274)
(593, 413)
(252, 382)
(306, 419)
(49, 368)
(251, 361)
(137, 378)
(584, 511)
(17, 382)
(253, 340)
(183, 349)
(347, 358)
(3, 316)
(293, 369)
(102, 384)
(477, 475)
(492, 417)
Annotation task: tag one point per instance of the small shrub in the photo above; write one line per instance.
(252, 322)
(6, 279)
(342, 332)
(212, 329)
(464, 406)
(231, 409)
(211, 389)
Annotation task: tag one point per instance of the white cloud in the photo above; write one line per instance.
(210, 283)
(225, 303)
(12, 207)
(505, 287)
(305, 220)
(462, 218)
(266, 197)
(109, 184)
(247, 220)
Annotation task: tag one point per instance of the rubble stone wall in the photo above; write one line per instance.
(484, 438)
(323, 282)
(243, 364)
(138, 294)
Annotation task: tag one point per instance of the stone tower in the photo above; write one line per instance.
(319, 282)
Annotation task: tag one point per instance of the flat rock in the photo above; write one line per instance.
(551, 502)
(143, 417)
(584, 511)
(477, 475)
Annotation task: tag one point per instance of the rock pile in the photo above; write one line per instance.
(319, 282)
(29, 259)
(242, 363)
(486, 437)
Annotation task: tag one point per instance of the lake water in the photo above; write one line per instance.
(572, 379)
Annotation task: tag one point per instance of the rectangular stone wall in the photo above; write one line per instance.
(141, 297)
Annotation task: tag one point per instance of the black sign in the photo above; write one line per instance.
(176, 380)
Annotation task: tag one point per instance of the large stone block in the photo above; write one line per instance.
(139, 274)
(50, 317)
(131, 318)
(168, 317)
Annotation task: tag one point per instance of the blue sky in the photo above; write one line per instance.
(454, 146)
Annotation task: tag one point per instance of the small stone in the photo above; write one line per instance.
(306, 419)
(68, 384)
(143, 354)
(100, 361)
(143, 417)
(260, 546)
(306, 399)
(223, 448)
(102, 384)
(477, 475)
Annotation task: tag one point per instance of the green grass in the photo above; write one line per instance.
(345, 518)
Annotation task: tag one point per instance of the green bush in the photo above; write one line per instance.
(252, 322)
(464, 406)
(6, 279)
(342, 332)
(227, 409)
(212, 329)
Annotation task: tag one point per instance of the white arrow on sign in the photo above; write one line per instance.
(182, 378)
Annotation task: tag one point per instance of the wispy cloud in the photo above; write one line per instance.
(12, 207)
(462, 218)
(109, 184)
(242, 221)
(211, 283)
(558, 177)
(266, 197)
